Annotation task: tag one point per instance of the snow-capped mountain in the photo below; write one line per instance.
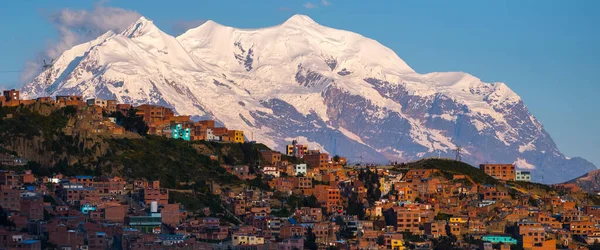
(333, 89)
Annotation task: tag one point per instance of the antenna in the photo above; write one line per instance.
(48, 67)
(457, 150)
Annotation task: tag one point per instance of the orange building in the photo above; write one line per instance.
(505, 172)
(271, 157)
(404, 219)
(532, 235)
(328, 196)
(207, 123)
(318, 160)
(123, 108)
(152, 113)
(10, 98)
(70, 100)
(159, 195)
(581, 228)
(303, 182)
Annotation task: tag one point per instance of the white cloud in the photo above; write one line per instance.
(523, 164)
(78, 26)
(325, 3)
(310, 5)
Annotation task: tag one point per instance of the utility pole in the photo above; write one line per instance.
(458, 150)
(48, 67)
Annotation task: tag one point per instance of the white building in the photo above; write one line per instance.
(300, 169)
(98, 102)
(522, 176)
(270, 170)
(210, 136)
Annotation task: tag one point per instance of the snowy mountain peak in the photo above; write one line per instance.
(301, 20)
(332, 89)
(140, 27)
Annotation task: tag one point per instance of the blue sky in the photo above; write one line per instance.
(546, 51)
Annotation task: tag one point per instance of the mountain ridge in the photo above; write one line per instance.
(333, 89)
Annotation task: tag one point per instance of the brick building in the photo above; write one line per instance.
(159, 195)
(317, 160)
(403, 219)
(505, 172)
(153, 113)
(10, 198)
(271, 157)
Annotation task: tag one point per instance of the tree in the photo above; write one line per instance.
(131, 121)
(355, 207)
(311, 240)
(336, 158)
(445, 243)
(5, 222)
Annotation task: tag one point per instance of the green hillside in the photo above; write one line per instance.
(453, 167)
(45, 136)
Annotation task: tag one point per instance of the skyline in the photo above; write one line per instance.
(529, 60)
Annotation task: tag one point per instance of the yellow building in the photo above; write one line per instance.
(236, 136)
(246, 239)
(459, 220)
(398, 244)
(385, 185)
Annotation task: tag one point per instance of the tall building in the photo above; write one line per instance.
(505, 172)
(320, 160)
(296, 149)
(152, 113)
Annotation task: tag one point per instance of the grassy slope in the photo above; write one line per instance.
(454, 167)
(150, 157)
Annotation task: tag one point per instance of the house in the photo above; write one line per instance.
(271, 157)
(435, 229)
(522, 175)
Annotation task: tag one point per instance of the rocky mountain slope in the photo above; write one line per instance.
(589, 182)
(333, 89)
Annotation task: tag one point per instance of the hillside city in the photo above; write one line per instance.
(296, 198)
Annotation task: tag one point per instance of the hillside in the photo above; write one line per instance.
(331, 89)
(49, 138)
(452, 167)
(589, 182)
